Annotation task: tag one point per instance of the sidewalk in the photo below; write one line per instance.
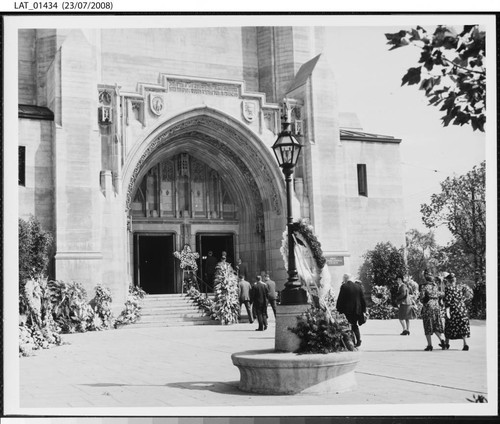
(191, 367)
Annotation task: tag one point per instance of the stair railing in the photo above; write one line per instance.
(204, 285)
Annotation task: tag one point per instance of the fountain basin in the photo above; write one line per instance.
(283, 373)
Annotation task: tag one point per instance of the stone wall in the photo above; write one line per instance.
(26, 67)
(37, 196)
(129, 56)
(378, 217)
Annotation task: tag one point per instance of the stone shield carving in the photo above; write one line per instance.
(249, 110)
(156, 103)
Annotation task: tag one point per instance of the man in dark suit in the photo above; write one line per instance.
(351, 303)
(244, 289)
(210, 265)
(271, 286)
(241, 268)
(259, 299)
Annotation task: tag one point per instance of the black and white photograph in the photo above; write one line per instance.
(250, 215)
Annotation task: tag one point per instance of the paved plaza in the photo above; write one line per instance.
(179, 367)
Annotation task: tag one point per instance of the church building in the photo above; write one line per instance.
(136, 142)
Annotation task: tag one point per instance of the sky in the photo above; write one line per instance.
(369, 84)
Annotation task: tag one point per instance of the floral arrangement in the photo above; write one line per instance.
(321, 333)
(313, 273)
(380, 295)
(132, 310)
(103, 317)
(305, 230)
(38, 329)
(71, 309)
(227, 304)
(187, 258)
(321, 328)
(382, 308)
(203, 302)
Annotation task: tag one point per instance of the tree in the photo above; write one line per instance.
(461, 206)
(453, 258)
(452, 74)
(422, 252)
(382, 265)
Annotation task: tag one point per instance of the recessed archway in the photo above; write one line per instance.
(243, 161)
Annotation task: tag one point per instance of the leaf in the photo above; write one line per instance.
(412, 76)
(397, 39)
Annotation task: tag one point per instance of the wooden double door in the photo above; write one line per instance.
(156, 268)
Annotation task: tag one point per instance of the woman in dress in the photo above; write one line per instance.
(457, 324)
(431, 314)
(405, 303)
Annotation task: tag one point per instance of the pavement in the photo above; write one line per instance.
(178, 371)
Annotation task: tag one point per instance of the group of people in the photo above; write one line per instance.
(444, 313)
(449, 305)
(256, 297)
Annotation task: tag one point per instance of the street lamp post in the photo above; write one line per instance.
(287, 150)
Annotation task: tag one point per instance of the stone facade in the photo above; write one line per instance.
(128, 102)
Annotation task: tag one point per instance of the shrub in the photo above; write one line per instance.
(381, 266)
(323, 332)
(34, 249)
(478, 303)
(132, 310)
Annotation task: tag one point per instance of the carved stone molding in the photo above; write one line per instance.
(231, 134)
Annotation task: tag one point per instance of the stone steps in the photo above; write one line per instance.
(170, 310)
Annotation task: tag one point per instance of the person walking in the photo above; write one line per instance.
(405, 303)
(431, 311)
(244, 289)
(271, 286)
(457, 325)
(259, 299)
(351, 303)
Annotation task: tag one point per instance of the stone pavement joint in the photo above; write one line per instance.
(191, 367)
(419, 382)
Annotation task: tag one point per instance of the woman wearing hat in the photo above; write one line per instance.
(457, 324)
(431, 314)
(405, 305)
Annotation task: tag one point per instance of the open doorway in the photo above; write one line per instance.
(154, 259)
(216, 243)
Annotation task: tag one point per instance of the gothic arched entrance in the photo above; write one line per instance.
(201, 181)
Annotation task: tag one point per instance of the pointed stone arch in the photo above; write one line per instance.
(234, 151)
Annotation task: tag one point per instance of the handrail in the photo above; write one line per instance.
(205, 285)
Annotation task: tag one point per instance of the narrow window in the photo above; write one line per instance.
(22, 165)
(362, 183)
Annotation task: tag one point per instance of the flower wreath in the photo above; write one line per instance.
(304, 230)
(187, 258)
(315, 277)
(380, 295)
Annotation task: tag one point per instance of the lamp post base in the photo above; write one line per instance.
(293, 295)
